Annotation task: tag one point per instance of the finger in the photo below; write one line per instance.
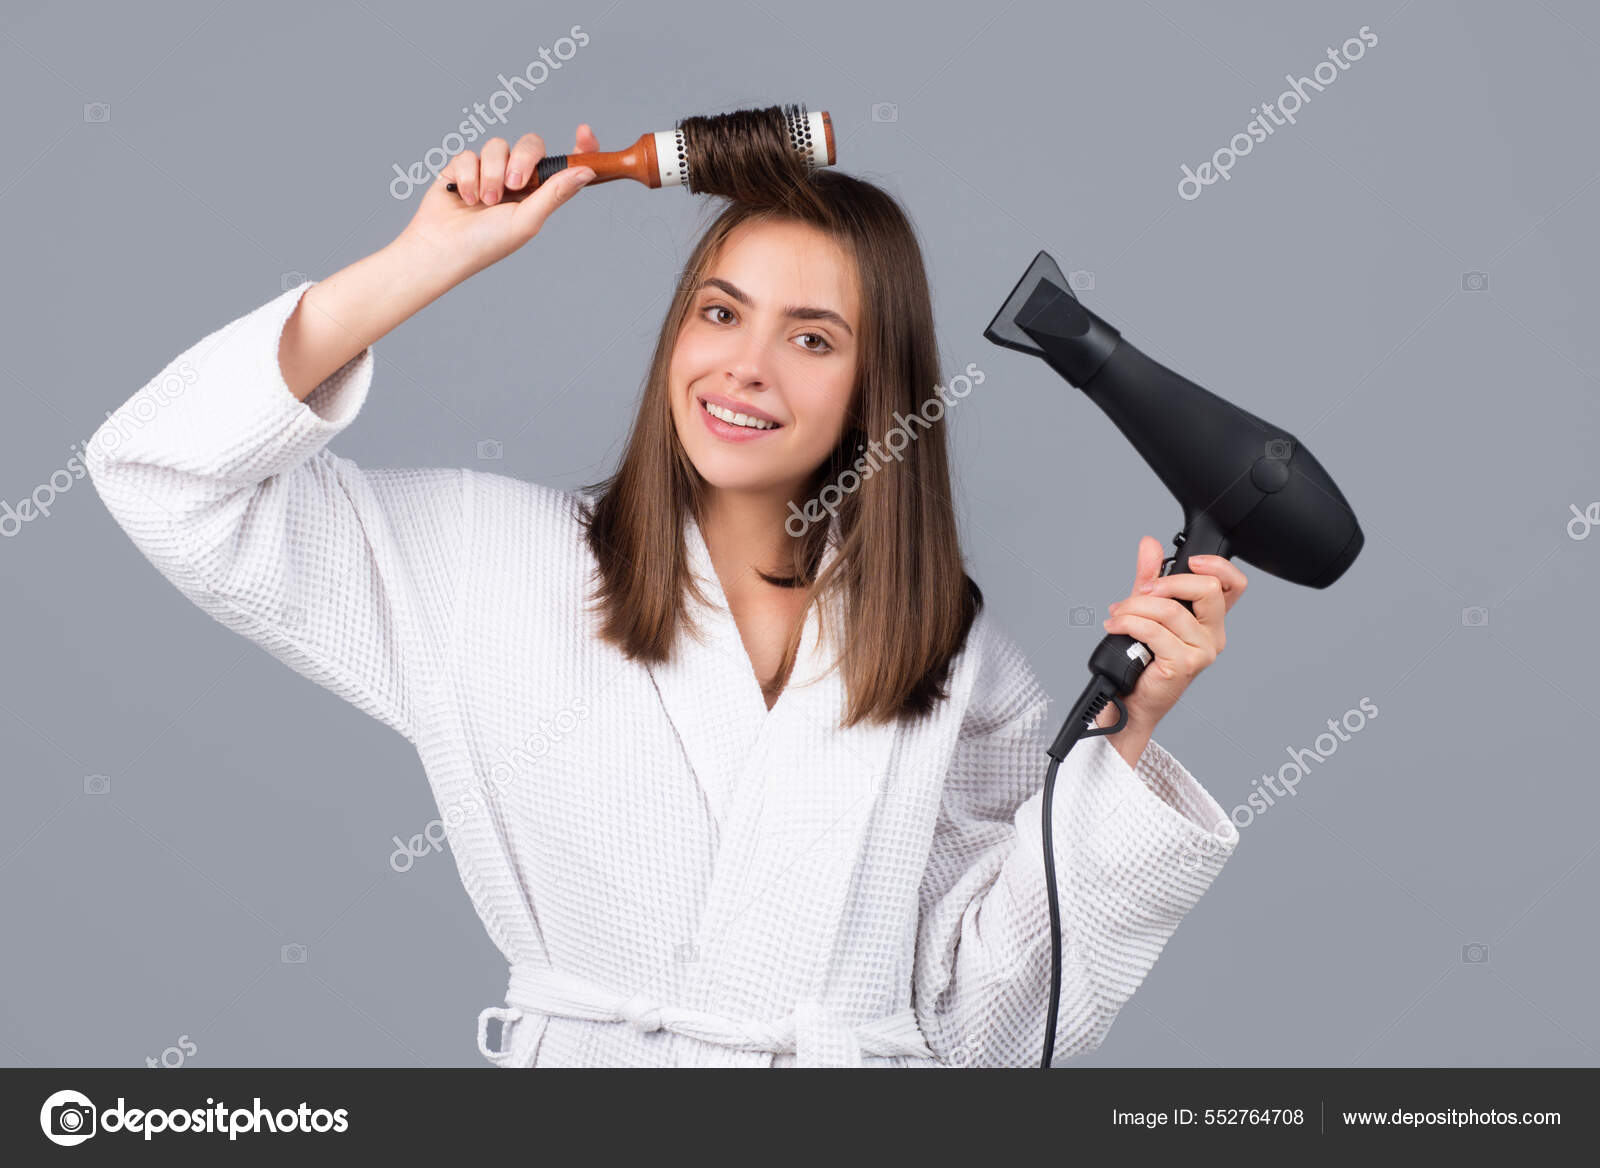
(525, 156)
(1168, 612)
(1204, 592)
(492, 176)
(557, 189)
(464, 173)
(1173, 655)
(1234, 582)
(1149, 562)
(585, 142)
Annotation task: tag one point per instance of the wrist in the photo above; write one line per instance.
(1130, 748)
(1130, 741)
(432, 269)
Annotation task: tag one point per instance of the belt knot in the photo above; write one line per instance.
(641, 1013)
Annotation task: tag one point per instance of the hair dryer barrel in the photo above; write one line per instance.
(1269, 496)
(1235, 475)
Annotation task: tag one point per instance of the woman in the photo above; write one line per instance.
(735, 767)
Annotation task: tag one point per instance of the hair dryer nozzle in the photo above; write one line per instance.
(1003, 329)
(1042, 316)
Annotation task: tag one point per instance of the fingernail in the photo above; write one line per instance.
(514, 179)
(1147, 587)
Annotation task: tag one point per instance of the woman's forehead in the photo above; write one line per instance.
(787, 262)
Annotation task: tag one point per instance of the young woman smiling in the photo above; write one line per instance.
(722, 793)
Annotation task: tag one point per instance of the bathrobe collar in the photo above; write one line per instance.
(790, 795)
(712, 695)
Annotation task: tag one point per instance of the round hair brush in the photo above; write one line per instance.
(674, 157)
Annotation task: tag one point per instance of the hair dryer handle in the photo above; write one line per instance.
(1121, 658)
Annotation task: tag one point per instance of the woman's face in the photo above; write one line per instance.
(771, 333)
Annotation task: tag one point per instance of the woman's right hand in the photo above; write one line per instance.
(473, 226)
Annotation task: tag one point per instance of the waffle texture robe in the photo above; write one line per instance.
(676, 875)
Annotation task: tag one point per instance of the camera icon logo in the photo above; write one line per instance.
(490, 448)
(1476, 954)
(1081, 281)
(885, 111)
(292, 955)
(1475, 617)
(97, 784)
(96, 111)
(1280, 449)
(67, 1118)
(1474, 281)
(686, 952)
(1080, 616)
(287, 280)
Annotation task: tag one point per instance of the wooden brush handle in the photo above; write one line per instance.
(637, 162)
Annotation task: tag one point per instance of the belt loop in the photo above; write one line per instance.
(509, 1016)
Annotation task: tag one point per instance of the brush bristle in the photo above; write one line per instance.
(716, 139)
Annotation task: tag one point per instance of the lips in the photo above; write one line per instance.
(728, 431)
(738, 407)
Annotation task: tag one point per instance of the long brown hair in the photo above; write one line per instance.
(907, 602)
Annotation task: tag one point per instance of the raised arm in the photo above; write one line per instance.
(218, 469)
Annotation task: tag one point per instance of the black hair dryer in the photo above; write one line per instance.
(1247, 489)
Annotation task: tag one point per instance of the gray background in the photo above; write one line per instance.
(1320, 287)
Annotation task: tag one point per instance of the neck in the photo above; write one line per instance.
(744, 532)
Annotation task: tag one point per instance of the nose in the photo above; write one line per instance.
(747, 361)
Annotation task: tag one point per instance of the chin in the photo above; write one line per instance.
(719, 474)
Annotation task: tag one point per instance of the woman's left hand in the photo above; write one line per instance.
(1183, 642)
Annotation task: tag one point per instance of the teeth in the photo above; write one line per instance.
(734, 419)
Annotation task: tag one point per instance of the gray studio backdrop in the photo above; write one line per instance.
(195, 864)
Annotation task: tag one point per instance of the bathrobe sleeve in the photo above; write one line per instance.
(1134, 850)
(222, 479)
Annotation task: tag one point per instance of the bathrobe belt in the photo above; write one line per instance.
(812, 1032)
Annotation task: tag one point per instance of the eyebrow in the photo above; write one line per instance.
(793, 311)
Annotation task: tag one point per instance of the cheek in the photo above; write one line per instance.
(820, 415)
(681, 371)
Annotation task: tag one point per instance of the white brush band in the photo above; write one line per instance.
(672, 160)
(814, 142)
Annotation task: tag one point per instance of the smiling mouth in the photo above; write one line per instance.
(733, 418)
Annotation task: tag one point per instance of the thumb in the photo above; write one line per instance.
(532, 212)
(1149, 563)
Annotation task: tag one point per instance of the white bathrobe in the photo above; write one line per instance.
(675, 875)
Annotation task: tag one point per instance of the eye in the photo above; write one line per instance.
(824, 347)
